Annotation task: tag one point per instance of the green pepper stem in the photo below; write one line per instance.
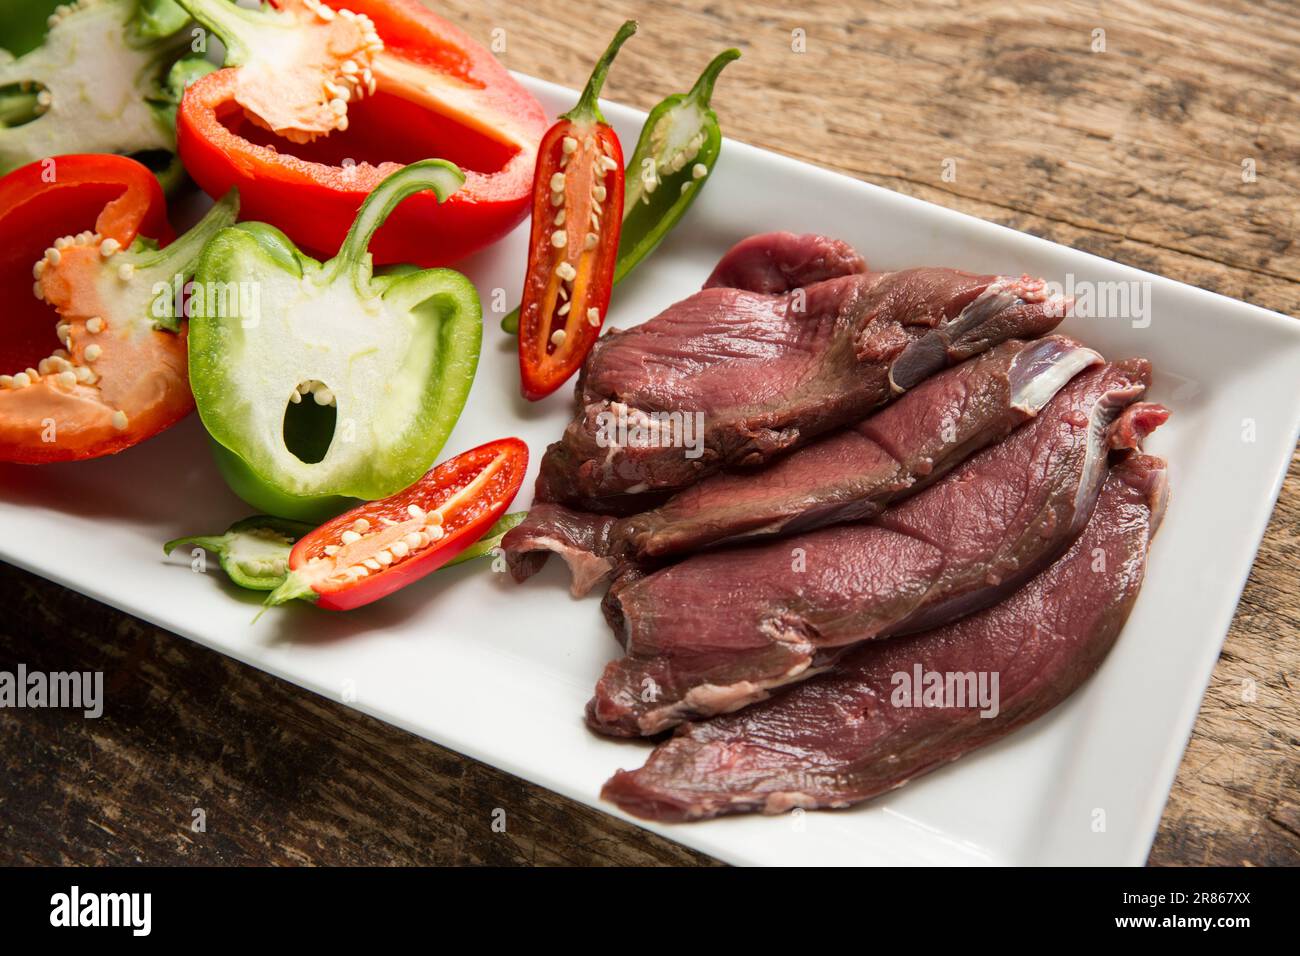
(294, 588)
(236, 26)
(180, 255)
(588, 107)
(442, 177)
(155, 267)
(702, 91)
(510, 324)
(182, 74)
(158, 19)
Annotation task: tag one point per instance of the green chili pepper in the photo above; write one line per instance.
(94, 77)
(673, 159)
(324, 382)
(254, 552)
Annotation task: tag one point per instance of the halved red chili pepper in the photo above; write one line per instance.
(436, 93)
(577, 218)
(381, 546)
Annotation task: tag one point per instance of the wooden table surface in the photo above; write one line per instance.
(1120, 128)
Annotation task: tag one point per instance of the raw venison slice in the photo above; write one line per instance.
(584, 540)
(776, 262)
(848, 736)
(851, 475)
(762, 374)
(722, 629)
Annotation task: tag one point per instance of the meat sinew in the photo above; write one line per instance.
(584, 540)
(845, 737)
(721, 629)
(851, 475)
(732, 378)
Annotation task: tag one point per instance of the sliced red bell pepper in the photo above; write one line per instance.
(577, 219)
(116, 380)
(381, 546)
(431, 91)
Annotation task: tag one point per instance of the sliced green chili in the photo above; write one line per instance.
(673, 159)
(254, 552)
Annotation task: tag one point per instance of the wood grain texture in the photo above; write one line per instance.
(281, 776)
(1135, 153)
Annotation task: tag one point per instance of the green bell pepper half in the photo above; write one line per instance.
(325, 382)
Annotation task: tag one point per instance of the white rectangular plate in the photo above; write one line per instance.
(501, 672)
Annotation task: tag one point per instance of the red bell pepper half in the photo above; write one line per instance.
(424, 90)
(382, 546)
(577, 219)
(116, 380)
